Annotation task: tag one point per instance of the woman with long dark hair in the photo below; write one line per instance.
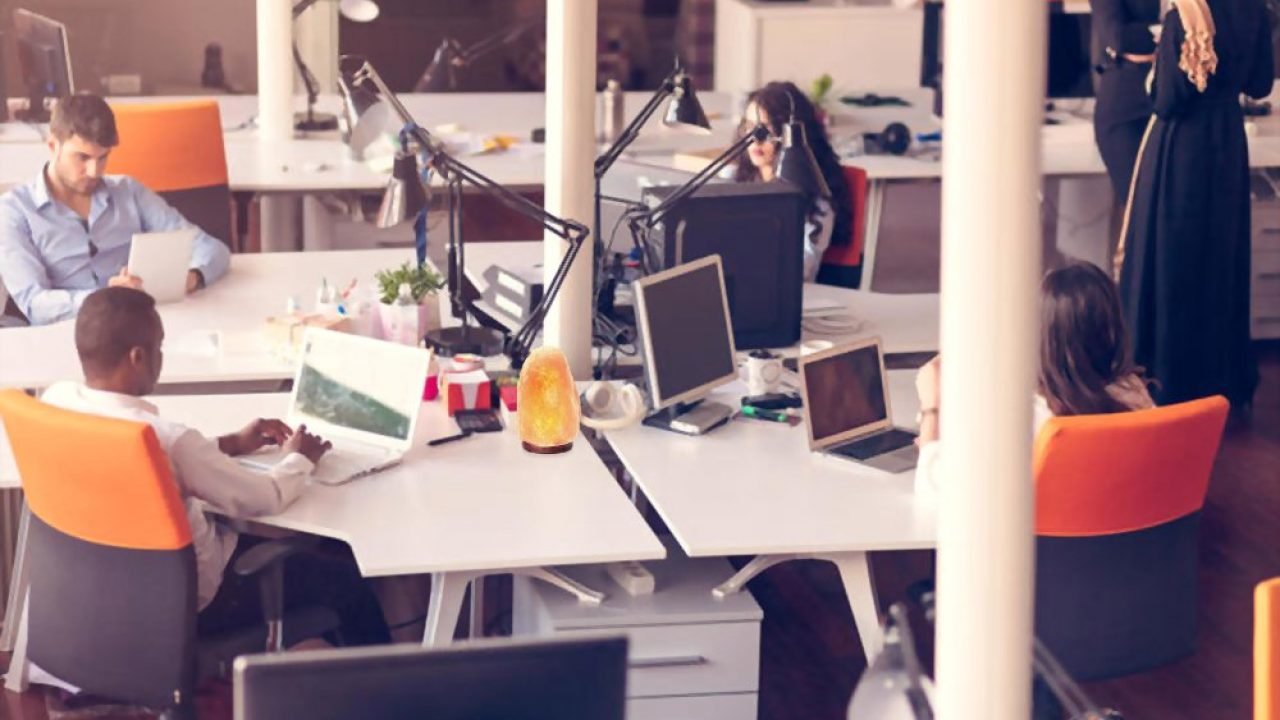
(829, 222)
(1086, 361)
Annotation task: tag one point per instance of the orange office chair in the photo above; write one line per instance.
(176, 150)
(1118, 501)
(1266, 650)
(111, 594)
(842, 264)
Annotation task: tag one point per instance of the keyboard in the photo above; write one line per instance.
(876, 445)
(339, 466)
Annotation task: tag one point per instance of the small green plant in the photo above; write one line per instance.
(423, 281)
(819, 90)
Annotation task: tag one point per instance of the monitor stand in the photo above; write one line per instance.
(695, 418)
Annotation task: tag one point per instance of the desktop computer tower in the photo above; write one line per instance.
(758, 230)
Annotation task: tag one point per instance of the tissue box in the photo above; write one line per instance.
(469, 391)
(284, 332)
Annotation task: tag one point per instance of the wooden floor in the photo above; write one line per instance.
(811, 657)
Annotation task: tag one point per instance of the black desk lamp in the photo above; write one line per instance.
(354, 10)
(405, 181)
(684, 113)
(450, 57)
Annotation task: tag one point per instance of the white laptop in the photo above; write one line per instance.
(362, 395)
(846, 407)
(161, 260)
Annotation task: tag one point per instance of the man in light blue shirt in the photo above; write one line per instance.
(68, 231)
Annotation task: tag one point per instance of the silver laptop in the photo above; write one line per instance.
(362, 395)
(846, 408)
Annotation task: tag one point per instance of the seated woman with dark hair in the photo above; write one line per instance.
(1086, 360)
(830, 222)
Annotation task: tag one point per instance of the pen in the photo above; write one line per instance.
(449, 439)
(752, 411)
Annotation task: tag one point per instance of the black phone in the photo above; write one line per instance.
(478, 421)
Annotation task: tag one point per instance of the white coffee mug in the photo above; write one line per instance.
(809, 347)
(764, 372)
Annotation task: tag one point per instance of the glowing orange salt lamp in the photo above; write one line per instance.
(548, 403)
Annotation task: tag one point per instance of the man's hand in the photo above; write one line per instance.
(929, 388)
(255, 436)
(195, 281)
(124, 279)
(309, 446)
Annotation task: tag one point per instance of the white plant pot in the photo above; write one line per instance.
(428, 317)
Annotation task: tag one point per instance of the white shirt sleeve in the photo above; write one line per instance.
(817, 237)
(208, 474)
(927, 468)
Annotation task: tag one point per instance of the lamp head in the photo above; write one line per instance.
(796, 163)
(406, 195)
(684, 112)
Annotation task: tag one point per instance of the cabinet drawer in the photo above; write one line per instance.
(1266, 230)
(690, 659)
(697, 707)
(1265, 327)
(1265, 271)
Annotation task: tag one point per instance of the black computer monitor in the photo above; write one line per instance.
(757, 229)
(682, 318)
(546, 680)
(44, 61)
(1068, 71)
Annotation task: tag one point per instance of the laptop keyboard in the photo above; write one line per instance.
(876, 445)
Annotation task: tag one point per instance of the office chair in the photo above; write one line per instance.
(1118, 500)
(842, 264)
(176, 150)
(1266, 650)
(111, 594)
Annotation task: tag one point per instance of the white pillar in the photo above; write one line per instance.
(275, 70)
(570, 121)
(994, 94)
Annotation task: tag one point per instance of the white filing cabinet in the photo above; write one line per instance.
(1264, 306)
(692, 657)
(863, 44)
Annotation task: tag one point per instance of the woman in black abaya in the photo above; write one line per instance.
(1185, 246)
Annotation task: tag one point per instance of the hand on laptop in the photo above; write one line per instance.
(124, 279)
(312, 447)
(255, 436)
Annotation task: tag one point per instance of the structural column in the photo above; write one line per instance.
(994, 95)
(570, 122)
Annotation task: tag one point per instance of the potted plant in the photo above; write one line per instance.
(818, 95)
(424, 283)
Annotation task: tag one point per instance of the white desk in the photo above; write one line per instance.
(460, 511)
(753, 488)
(235, 308)
(904, 323)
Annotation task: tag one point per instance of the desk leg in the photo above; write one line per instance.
(551, 576)
(477, 609)
(447, 589)
(871, 236)
(18, 678)
(758, 564)
(279, 218)
(855, 573)
(17, 585)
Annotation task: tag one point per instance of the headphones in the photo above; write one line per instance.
(602, 397)
(895, 139)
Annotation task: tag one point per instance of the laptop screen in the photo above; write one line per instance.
(845, 392)
(359, 384)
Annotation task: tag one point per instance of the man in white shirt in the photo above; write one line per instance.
(118, 337)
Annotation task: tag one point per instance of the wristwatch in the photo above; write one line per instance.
(923, 412)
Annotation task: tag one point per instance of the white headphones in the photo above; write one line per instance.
(602, 397)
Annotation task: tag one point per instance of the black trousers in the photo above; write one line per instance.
(326, 577)
(1118, 143)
